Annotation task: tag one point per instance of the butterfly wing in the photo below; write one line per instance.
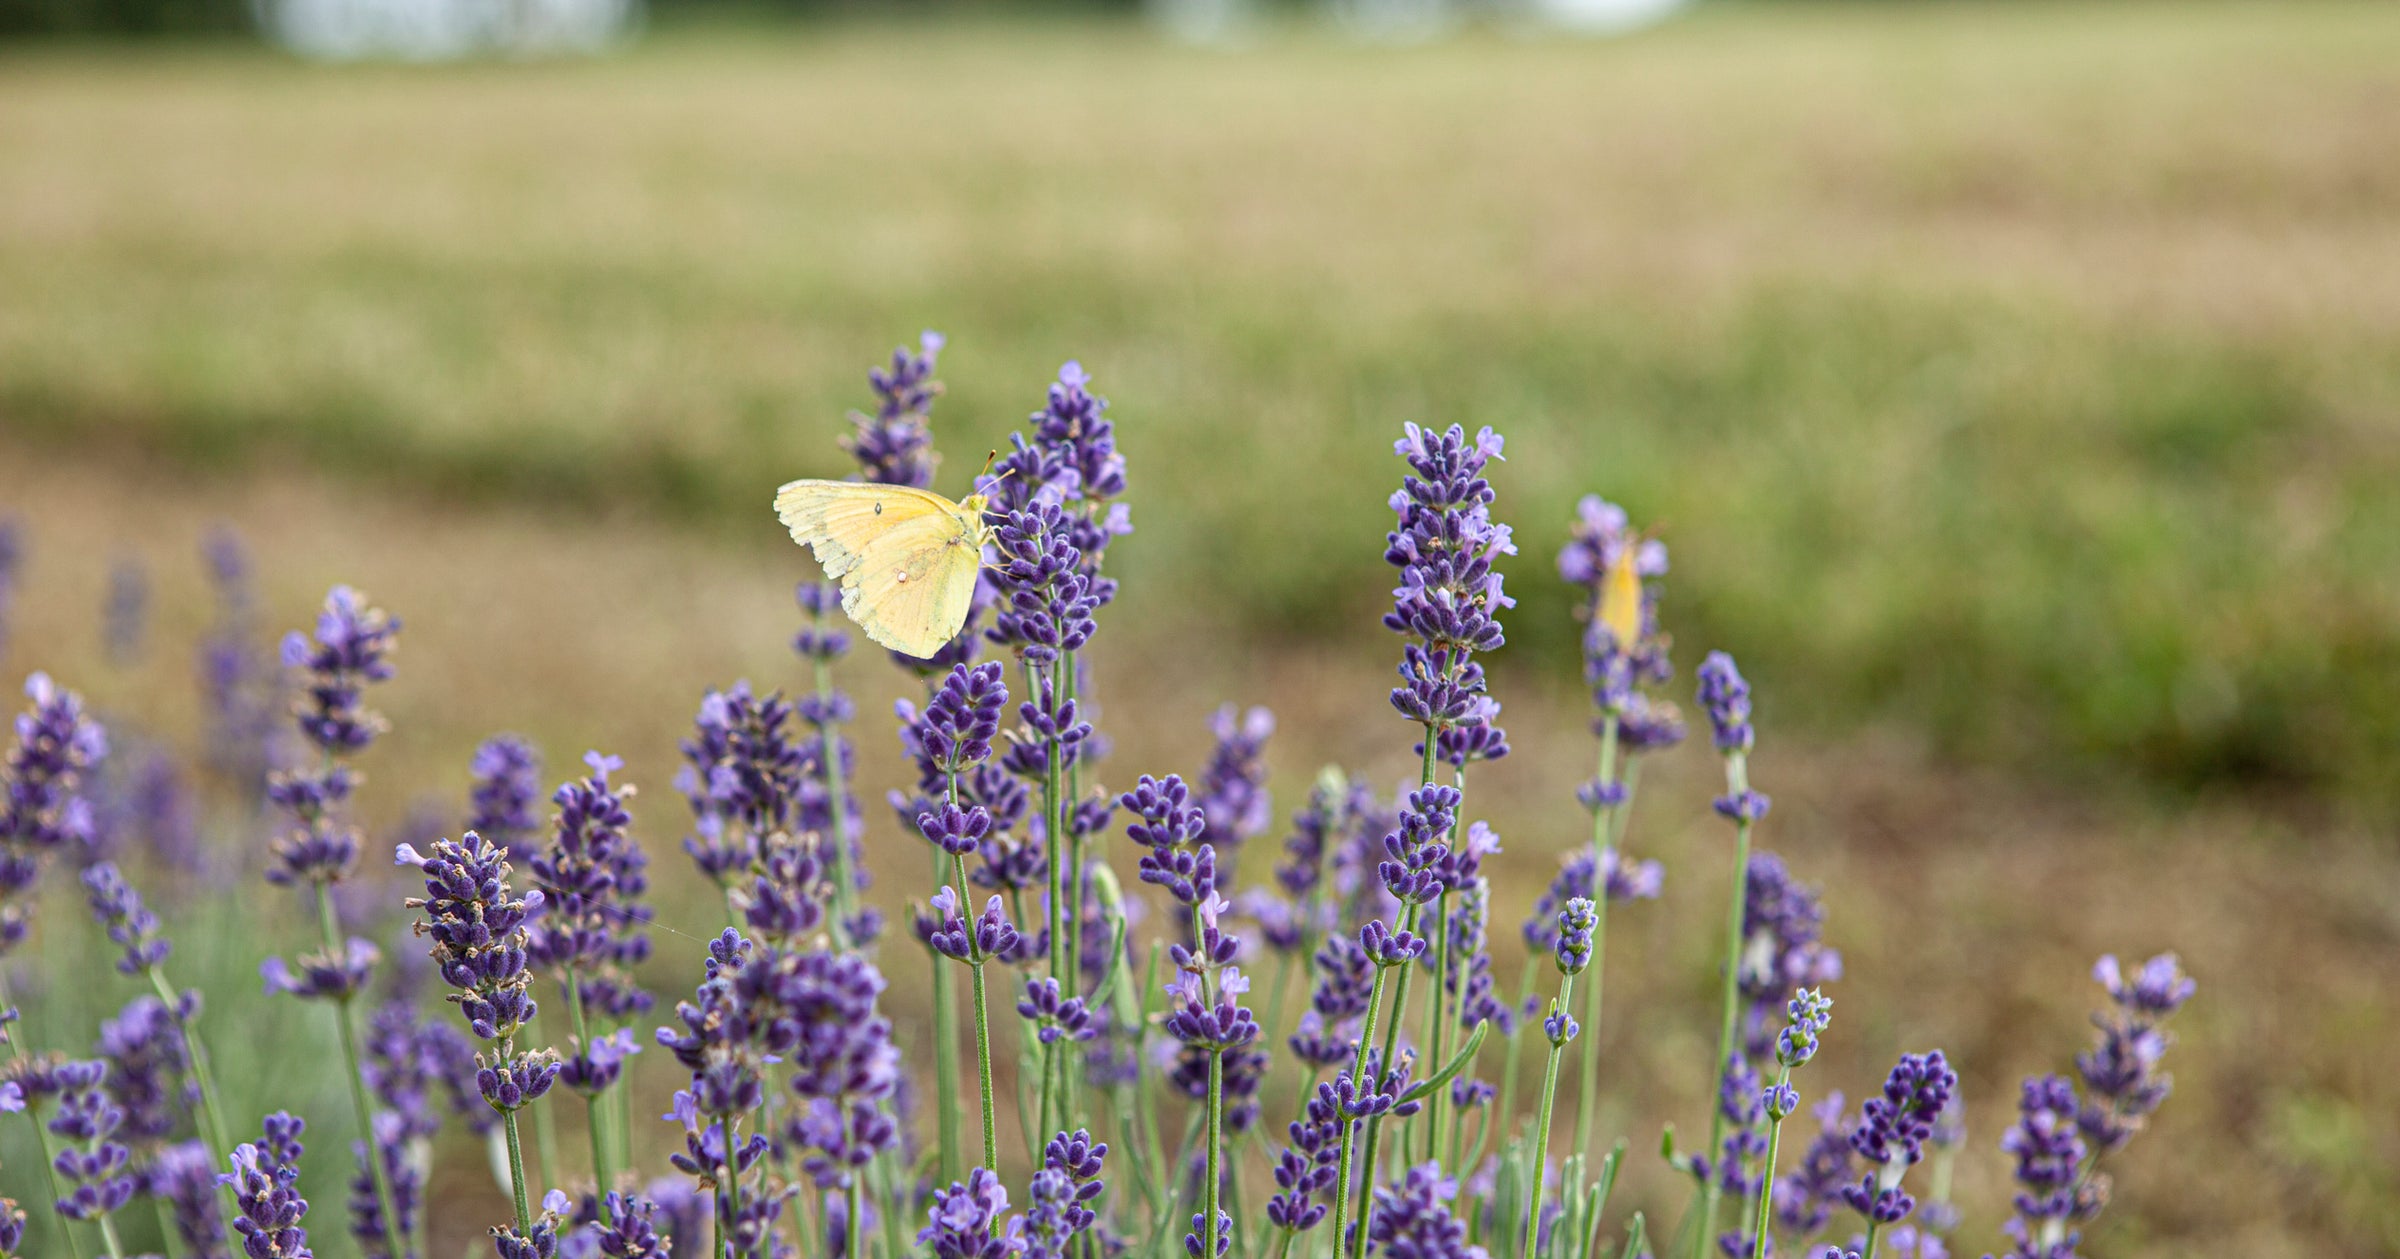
(906, 558)
(1621, 600)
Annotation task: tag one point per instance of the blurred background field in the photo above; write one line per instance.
(2018, 387)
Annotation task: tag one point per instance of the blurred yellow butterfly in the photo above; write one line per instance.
(1621, 596)
(906, 558)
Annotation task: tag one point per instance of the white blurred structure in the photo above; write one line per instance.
(438, 30)
(1233, 22)
(1603, 17)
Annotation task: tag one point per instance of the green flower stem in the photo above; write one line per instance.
(545, 1125)
(837, 842)
(1434, 1031)
(945, 1064)
(1737, 781)
(41, 1134)
(1341, 1180)
(1873, 1227)
(212, 1115)
(1216, 1142)
(854, 1228)
(1541, 1140)
(516, 1172)
(345, 1019)
(1588, 1092)
(108, 1237)
(1507, 1114)
(1766, 1185)
(1391, 1030)
(732, 1206)
(595, 1108)
(983, 1021)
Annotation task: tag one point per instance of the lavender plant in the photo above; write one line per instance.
(793, 1127)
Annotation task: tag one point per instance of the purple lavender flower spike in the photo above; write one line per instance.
(266, 1192)
(1891, 1137)
(1804, 1197)
(1233, 797)
(149, 1072)
(1054, 1017)
(894, 446)
(2122, 1083)
(323, 976)
(125, 618)
(351, 648)
(2049, 1154)
(129, 923)
(12, 563)
(41, 810)
(184, 1176)
(591, 876)
(239, 687)
(1625, 882)
(92, 1168)
(1725, 697)
(401, 1172)
(477, 926)
(1783, 948)
(966, 1221)
(1576, 922)
(506, 785)
(633, 1230)
(1412, 1220)
(742, 775)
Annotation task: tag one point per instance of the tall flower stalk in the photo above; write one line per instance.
(591, 877)
(351, 648)
(1448, 604)
(1810, 1012)
(479, 945)
(1725, 697)
(955, 737)
(135, 929)
(1054, 513)
(1576, 924)
(1622, 650)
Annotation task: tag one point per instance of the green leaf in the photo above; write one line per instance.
(1424, 1088)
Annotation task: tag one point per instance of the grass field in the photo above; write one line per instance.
(2022, 375)
(2017, 387)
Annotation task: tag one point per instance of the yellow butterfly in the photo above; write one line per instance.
(1621, 596)
(906, 558)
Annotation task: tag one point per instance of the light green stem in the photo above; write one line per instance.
(1766, 1183)
(854, 1230)
(108, 1237)
(1216, 1142)
(345, 1018)
(1434, 1030)
(837, 840)
(1541, 1140)
(212, 1114)
(595, 1108)
(41, 1134)
(516, 1171)
(733, 1180)
(983, 1025)
(1712, 1191)
(1588, 1095)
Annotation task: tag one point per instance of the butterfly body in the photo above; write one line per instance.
(906, 559)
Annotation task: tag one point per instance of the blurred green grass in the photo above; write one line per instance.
(2021, 377)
